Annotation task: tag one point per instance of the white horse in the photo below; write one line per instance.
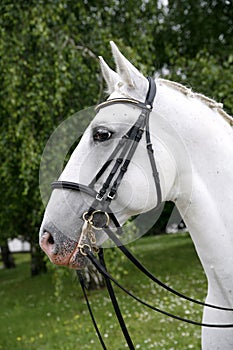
(196, 174)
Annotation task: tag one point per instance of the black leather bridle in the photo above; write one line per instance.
(100, 214)
(122, 156)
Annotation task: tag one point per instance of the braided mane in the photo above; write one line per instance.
(208, 101)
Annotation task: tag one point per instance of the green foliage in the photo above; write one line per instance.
(116, 260)
(31, 318)
(60, 276)
(49, 70)
(216, 76)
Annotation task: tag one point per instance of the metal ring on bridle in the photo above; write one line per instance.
(84, 247)
(84, 216)
(90, 219)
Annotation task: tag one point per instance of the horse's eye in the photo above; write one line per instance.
(101, 134)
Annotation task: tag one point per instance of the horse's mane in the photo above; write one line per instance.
(208, 101)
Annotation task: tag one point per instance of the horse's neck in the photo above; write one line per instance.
(207, 140)
(209, 143)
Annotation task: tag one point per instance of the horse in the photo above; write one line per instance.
(192, 139)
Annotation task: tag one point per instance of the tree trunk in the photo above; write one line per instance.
(38, 264)
(7, 257)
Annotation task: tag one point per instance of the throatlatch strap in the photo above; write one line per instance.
(155, 172)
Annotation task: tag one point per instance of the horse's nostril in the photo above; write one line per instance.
(48, 244)
(50, 239)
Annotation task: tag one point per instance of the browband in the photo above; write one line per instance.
(122, 100)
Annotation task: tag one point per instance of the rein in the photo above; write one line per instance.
(99, 215)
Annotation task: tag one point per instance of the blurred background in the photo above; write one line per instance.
(49, 70)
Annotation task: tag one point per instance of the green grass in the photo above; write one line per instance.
(32, 318)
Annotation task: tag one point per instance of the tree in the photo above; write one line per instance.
(38, 91)
(195, 46)
(7, 257)
(49, 70)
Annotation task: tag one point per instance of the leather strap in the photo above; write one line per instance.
(151, 156)
(151, 93)
(102, 270)
(115, 303)
(128, 145)
(82, 283)
(74, 186)
(146, 272)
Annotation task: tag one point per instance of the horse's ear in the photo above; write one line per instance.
(109, 75)
(128, 73)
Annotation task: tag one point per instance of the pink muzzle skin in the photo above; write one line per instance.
(63, 253)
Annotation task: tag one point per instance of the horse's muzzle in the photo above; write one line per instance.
(62, 250)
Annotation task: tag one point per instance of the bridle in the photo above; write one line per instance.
(121, 156)
(99, 215)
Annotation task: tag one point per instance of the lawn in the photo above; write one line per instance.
(32, 317)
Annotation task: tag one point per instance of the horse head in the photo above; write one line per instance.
(94, 167)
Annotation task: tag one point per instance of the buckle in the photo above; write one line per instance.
(99, 197)
(111, 195)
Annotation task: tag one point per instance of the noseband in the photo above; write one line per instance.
(100, 214)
